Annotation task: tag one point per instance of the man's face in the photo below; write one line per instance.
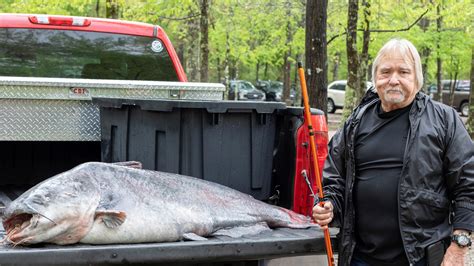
(395, 82)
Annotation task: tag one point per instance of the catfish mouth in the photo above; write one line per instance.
(15, 225)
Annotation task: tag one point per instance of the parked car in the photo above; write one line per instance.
(274, 90)
(461, 94)
(336, 94)
(246, 91)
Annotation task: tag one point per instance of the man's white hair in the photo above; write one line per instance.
(409, 53)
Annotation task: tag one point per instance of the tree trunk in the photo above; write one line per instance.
(227, 54)
(364, 56)
(227, 63)
(97, 8)
(286, 63)
(352, 59)
(257, 70)
(452, 88)
(180, 52)
(219, 74)
(265, 71)
(193, 51)
(204, 25)
(112, 9)
(439, 76)
(295, 74)
(369, 69)
(425, 51)
(439, 95)
(470, 119)
(316, 53)
(234, 69)
(335, 67)
(286, 78)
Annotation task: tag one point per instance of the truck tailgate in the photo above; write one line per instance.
(279, 242)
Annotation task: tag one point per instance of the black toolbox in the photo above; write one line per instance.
(226, 142)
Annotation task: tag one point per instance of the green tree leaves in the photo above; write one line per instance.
(248, 33)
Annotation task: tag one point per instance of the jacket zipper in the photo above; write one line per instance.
(409, 140)
(354, 127)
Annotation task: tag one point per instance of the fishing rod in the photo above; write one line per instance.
(307, 113)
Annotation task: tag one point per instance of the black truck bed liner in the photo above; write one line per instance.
(276, 243)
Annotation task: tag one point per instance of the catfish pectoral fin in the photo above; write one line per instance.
(193, 236)
(111, 218)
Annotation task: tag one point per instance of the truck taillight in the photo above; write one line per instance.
(60, 21)
(302, 198)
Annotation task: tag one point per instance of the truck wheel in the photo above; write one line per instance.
(331, 106)
(464, 108)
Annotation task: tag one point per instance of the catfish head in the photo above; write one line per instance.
(59, 210)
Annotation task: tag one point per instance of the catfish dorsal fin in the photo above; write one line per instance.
(110, 218)
(130, 164)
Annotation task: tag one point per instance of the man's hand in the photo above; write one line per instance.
(323, 215)
(454, 256)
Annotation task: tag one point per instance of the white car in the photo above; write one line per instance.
(336, 94)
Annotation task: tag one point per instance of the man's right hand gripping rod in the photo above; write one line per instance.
(307, 113)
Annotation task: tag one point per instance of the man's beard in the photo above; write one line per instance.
(400, 97)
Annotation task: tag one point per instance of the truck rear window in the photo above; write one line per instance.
(82, 54)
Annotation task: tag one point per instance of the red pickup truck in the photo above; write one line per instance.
(70, 91)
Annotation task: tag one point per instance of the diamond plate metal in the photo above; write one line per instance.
(51, 109)
(48, 120)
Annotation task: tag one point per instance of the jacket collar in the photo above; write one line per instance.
(420, 100)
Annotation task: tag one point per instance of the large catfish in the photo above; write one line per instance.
(101, 203)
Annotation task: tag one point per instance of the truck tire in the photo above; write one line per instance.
(464, 108)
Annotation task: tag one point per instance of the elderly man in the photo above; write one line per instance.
(399, 177)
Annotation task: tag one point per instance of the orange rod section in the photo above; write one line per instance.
(307, 113)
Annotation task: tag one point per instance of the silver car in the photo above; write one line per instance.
(337, 93)
(244, 91)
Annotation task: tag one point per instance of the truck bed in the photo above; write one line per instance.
(276, 243)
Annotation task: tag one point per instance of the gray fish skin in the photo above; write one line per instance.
(101, 203)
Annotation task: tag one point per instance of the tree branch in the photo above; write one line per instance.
(405, 29)
(336, 36)
(192, 16)
(396, 30)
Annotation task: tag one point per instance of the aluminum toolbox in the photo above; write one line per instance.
(60, 109)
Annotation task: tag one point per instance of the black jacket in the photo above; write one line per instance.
(437, 177)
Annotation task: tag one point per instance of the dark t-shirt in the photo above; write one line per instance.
(379, 150)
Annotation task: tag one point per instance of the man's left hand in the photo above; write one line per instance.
(455, 255)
